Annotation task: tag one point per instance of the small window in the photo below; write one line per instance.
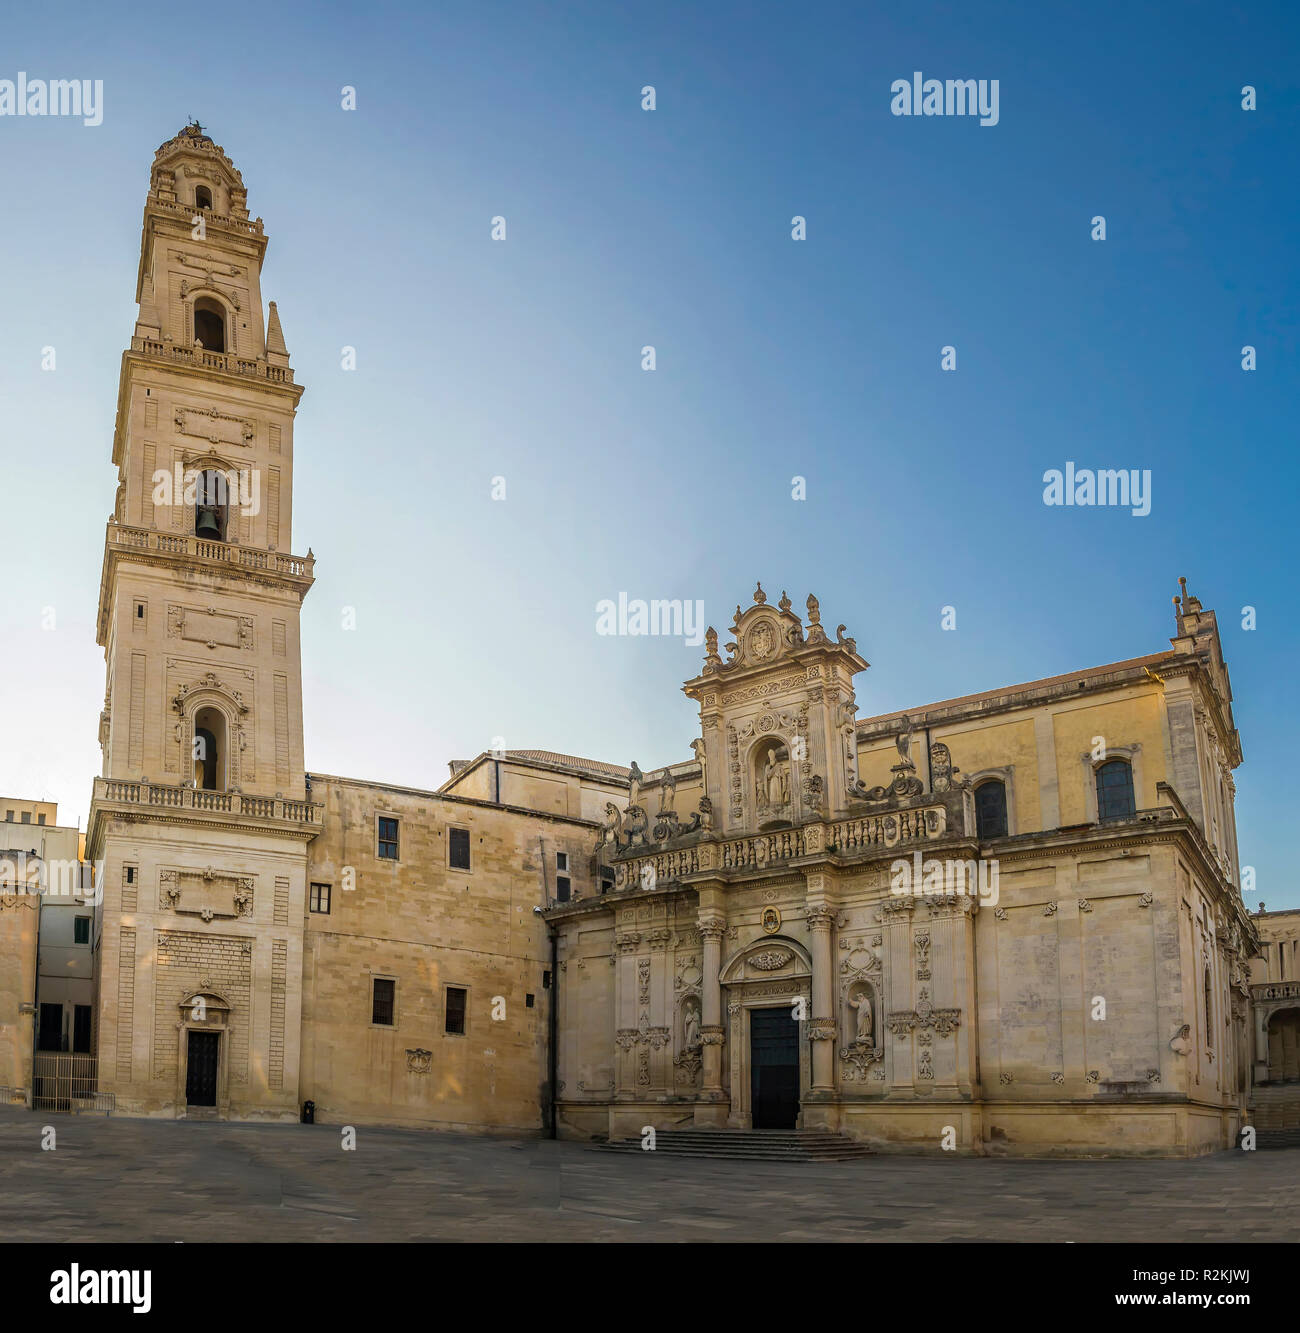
(546, 980)
(387, 839)
(202, 197)
(40, 819)
(130, 874)
(991, 810)
(1115, 791)
(9, 816)
(456, 997)
(562, 889)
(562, 861)
(383, 1002)
(320, 898)
(530, 1000)
(27, 816)
(81, 930)
(458, 848)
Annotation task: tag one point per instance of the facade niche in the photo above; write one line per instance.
(771, 775)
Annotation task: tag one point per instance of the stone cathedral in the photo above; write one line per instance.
(1012, 917)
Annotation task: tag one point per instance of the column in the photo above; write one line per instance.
(625, 1031)
(821, 1030)
(714, 1097)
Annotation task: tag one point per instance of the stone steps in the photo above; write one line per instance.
(1277, 1138)
(755, 1145)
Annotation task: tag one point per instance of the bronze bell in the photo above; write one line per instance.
(207, 523)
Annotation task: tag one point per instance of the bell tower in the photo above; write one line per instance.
(201, 817)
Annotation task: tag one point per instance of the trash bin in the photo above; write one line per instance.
(309, 1113)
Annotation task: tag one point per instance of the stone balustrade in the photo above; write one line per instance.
(229, 362)
(181, 544)
(117, 791)
(222, 221)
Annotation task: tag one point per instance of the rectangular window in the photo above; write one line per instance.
(320, 898)
(9, 816)
(383, 1002)
(27, 816)
(606, 879)
(81, 1029)
(130, 874)
(562, 861)
(81, 930)
(458, 848)
(387, 839)
(529, 1000)
(562, 888)
(40, 819)
(456, 997)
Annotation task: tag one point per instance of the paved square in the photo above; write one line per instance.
(128, 1180)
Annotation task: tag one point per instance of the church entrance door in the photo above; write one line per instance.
(201, 1070)
(774, 1068)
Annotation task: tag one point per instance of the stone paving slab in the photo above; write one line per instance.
(138, 1180)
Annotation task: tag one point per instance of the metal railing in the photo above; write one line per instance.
(66, 1082)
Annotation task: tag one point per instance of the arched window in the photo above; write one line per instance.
(210, 324)
(209, 749)
(1115, 790)
(991, 809)
(202, 197)
(211, 506)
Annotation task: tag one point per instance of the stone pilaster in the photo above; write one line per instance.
(821, 1028)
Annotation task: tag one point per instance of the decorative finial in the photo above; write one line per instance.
(814, 610)
(784, 603)
(759, 595)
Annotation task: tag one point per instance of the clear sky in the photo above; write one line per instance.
(476, 618)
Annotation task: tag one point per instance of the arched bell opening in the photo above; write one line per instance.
(210, 755)
(211, 506)
(210, 324)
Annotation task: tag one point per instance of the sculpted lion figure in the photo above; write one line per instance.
(611, 831)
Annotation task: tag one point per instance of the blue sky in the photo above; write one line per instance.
(775, 358)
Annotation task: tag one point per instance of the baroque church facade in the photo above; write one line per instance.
(973, 920)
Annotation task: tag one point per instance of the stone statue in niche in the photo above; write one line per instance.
(862, 1003)
(691, 1026)
(774, 782)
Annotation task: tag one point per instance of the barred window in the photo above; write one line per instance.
(456, 997)
(383, 1002)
